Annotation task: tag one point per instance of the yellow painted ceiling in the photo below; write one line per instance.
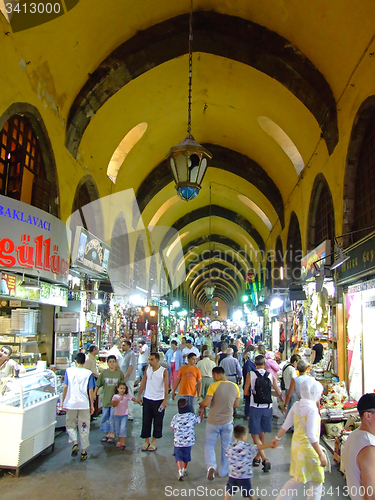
(49, 65)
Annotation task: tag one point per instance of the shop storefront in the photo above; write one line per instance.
(356, 278)
(34, 265)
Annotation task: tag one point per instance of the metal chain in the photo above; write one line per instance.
(190, 64)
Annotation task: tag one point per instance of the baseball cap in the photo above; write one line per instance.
(366, 402)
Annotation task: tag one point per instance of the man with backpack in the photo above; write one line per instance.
(260, 385)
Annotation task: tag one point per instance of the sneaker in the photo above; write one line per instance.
(75, 450)
(83, 456)
(211, 473)
(185, 472)
(181, 475)
(130, 419)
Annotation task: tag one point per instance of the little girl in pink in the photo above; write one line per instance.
(120, 401)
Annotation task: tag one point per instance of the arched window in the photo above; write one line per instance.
(22, 169)
(364, 204)
(294, 250)
(359, 183)
(278, 265)
(91, 218)
(321, 214)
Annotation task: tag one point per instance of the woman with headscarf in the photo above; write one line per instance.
(307, 457)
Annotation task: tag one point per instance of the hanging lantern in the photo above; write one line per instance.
(209, 289)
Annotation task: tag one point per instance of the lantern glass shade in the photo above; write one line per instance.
(209, 289)
(188, 161)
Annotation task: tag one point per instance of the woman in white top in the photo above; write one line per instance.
(307, 457)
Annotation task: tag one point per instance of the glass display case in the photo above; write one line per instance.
(27, 417)
(66, 348)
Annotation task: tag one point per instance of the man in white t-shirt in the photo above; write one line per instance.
(78, 401)
(188, 349)
(142, 358)
(358, 454)
(114, 351)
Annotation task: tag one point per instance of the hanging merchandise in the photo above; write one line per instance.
(319, 310)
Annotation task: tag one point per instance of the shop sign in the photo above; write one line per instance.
(323, 252)
(36, 242)
(361, 262)
(90, 254)
(8, 284)
(362, 287)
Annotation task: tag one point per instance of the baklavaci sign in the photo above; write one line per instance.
(33, 241)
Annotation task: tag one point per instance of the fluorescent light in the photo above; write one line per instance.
(30, 285)
(97, 301)
(276, 302)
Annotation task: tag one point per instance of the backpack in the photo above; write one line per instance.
(282, 383)
(262, 389)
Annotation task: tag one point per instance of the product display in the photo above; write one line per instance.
(27, 417)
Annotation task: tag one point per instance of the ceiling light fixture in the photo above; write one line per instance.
(188, 160)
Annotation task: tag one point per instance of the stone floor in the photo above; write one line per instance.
(112, 474)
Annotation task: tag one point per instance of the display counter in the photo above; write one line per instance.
(27, 417)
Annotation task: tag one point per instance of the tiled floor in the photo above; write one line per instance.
(112, 474)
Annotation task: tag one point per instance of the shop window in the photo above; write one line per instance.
(321, 214)
(22, 169)
(364, 210)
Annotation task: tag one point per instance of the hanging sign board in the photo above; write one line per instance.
(308, 269)
(90, 254)
(33, 241)
(360, 264)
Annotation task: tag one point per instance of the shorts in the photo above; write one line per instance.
(260, 420)
(242, 486)
(182, 454)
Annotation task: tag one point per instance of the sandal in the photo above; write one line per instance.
(145, 447)
(256, 462)
(75, 450)
(152, 447)
(104, 440)
(266, 465)
(111, 441)
(83, 456)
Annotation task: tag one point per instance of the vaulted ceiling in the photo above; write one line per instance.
(267, 77)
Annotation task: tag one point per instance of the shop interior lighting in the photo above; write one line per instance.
(30, 284)
(176, 303)
(276, 302)
(153, 312)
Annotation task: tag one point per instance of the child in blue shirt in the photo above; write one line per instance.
(240, 456)
(184, 436)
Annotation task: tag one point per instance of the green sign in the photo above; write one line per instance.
(360, 264)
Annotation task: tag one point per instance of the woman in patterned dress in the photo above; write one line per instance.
(307, 457)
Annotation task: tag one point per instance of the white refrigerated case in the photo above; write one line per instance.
(27, 417)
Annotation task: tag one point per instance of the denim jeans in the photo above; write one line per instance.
(106, 425)
(225, 432)
(192, 402)
(120, 422)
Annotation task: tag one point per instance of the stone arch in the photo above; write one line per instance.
(321, 221)
(223, 35)
(30, 112)
(293, 250)
(357, 160)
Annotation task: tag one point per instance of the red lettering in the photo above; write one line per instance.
(25, 254)
(6, 248)
(47, 252)
(38, 251)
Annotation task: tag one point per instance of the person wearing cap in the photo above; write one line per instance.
(358, 454)
(6, 364)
